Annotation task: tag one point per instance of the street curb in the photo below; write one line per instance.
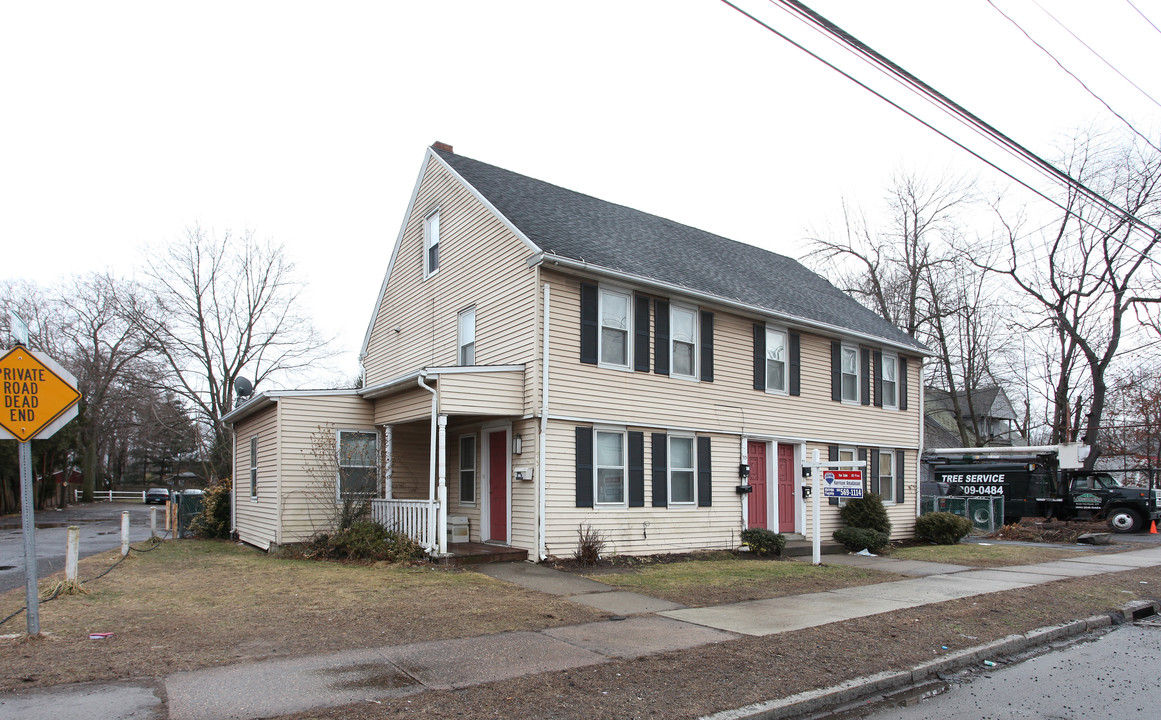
(855, 689)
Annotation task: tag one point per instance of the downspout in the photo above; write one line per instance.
(541, 482)
(431, 519)
(919, 455)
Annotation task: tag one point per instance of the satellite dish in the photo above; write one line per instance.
(243, 387)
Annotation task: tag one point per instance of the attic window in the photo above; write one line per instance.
(431, 244)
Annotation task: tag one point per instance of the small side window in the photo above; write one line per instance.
(431, 244)
(254, 467)
(467, 337)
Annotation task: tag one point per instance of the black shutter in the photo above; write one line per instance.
(661, 342)
(836, 371)
(899, 487)
(902, 383)
(865, 382)
(759, 356)
(705, 483)
(831, 455)
(878, 370)
(795, 364)
(636, 469)
(707, 346)
(660, 468)
(589, 329)
(875, 471)
(641, 334)
(584, 467)
(865, 470)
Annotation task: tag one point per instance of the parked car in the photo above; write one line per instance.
(156, 495)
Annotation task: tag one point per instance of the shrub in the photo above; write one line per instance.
(764, 542)
(590, 544)
(364, 540)
(866, 512)
(942, 528)
(856, 539)
(214, 520)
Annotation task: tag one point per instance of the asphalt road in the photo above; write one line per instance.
(1111, 675)
(100, 525)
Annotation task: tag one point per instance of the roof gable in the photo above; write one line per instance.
(619, 239)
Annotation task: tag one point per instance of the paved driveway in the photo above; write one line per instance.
(100, 525)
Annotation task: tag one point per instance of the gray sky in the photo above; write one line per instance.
(125, 122)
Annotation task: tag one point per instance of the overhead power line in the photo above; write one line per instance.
(959, 112)
(1146, 17)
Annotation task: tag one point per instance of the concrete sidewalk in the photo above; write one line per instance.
(638, 626)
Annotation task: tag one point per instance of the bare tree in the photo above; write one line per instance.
(220, 308)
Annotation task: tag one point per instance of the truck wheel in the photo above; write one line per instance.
(1124, 520)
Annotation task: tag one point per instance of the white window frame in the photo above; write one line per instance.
(893, 400)
(474, 469)
(462, 342)
(853, 459)
(692, 469)
(254, 468)
(858, 374)
(341, 465)
(785, 336)
(430, 242)
(628, 297)
(890, 454)
(597, 467)
(674, 309)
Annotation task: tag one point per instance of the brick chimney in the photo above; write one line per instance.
(437, 145)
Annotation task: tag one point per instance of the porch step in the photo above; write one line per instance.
(476, 553)
(800, 548)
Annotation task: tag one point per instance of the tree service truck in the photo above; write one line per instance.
(1043, 481)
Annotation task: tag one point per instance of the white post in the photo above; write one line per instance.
(72, 554)
(124, 533)
(816, 509)
(28, 522)
(441, 530)
(388, 438)
(152, 522)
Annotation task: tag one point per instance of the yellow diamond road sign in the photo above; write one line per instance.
(35, 392)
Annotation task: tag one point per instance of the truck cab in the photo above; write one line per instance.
(1099, 495)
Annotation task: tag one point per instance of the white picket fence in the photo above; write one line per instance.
(114, 495)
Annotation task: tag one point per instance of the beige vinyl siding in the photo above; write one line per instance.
(410, 465)
(641, 530)
(406, 406)
(257, 519)
(524, 507)
(307, 503)
(482, 263)
(481, 393)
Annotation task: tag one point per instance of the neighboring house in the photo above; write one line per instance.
(994, 413)
(539, 360)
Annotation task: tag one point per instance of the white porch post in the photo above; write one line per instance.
(441, 529)
(388, 433)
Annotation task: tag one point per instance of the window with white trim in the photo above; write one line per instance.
(615, 328)
(357, 464)
(610, 468)
(848, 454)
(682, 478)
(254, 467)
(467, 470)
(850, 374)
(466, 324)
(683, 341)
(890, 382)
(431, 244)
(887, 475)
(776, 355)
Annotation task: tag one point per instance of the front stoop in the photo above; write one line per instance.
(460, 554)
(800, 548)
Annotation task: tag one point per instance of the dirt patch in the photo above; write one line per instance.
(727, 675)
(1047, 530)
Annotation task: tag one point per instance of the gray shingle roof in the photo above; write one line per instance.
(579, 227)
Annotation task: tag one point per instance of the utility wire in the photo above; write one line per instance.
(1143, 15)
(923, 88)
(1073, 75)
(1094, 52)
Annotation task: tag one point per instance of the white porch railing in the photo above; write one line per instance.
(414, 518)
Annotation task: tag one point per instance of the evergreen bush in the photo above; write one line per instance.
(942, 528)
(364, 540)
(214, 520)
(763, 542)
(866, 512)
(856, 539)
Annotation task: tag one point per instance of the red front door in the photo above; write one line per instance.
(785, 488)
(498, 486)
(756, 453)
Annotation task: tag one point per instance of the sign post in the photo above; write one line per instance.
(845, 483)
(39, 398)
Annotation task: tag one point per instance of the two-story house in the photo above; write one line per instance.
(541, 360)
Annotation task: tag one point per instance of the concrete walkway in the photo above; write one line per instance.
(639, 626)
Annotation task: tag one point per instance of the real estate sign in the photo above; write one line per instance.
(842, 483)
